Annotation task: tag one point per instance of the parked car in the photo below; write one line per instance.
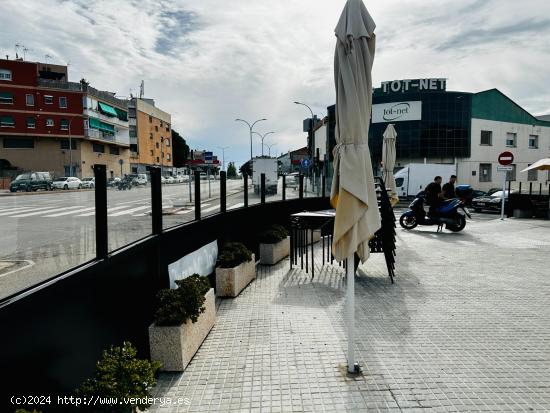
(67, 182)
(31, 181)
(112, 182)
(88, 183)
(138, 179)
(170, 180)
(491, 202)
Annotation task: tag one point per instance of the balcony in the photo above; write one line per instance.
(103, 136)
(56, 84)
(108, 119)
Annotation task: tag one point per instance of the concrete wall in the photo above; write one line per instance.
(89, 158)
(489, 153)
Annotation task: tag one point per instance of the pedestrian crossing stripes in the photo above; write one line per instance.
(81, 211)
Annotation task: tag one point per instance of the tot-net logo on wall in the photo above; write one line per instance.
(396, 112)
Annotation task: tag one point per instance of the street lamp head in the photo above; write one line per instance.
(298, 103)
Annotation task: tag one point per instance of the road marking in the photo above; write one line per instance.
(89, 214)
(43, 211)
(129, 211)
(15, 210)
(239, 205)
(70, 212)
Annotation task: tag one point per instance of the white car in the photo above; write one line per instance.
(88, 183)
(170, 180)
(65, 182)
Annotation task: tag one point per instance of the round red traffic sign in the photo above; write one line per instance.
(506, 158)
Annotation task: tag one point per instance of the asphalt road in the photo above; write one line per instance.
(45, 233)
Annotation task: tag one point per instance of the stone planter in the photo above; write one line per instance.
(273, 253)
(175, 346)
(231, 281)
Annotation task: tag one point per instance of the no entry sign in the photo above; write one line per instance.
(506, 158)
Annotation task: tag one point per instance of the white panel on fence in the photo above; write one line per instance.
(201, 261)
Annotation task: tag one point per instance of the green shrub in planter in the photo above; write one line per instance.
(176, 306)
(119, 374)
(273, 234)
(233, 254)
(27, 411)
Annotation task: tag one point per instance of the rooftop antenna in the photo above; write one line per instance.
(25, 50)
(46, 57)
(17, 47)
(142, 89)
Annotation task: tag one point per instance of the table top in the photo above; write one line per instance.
(327, 213)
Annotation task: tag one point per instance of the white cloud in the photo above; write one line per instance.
(209, 62)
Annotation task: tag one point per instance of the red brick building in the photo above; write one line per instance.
(40, 110)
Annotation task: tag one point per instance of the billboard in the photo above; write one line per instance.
(396, 112)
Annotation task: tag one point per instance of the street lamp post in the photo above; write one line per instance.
(223, 148)
(269, 147)
(71, 146)
(250, 128)
(312, 138)
(262, 137)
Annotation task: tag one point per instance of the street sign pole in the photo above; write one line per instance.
(505, 159)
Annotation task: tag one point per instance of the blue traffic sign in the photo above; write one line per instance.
(305, 163)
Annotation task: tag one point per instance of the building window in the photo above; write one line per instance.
(133, 132)
(167, 142)
(6, 98)
(97, 147)
(157, 145)
(158, 160)
(64, 143)
(18, 143)
(48, 100)
(511, 139)
(64, 124)
(486, 137)
(62, 102)
(114, 150)
(49, 122)
(511, 175)
(156, 128)
(533, 141)
(150, 119)
(167, 129)
(150, 135)
(485, 172)
(161, 124)
(7, 121)
(5, 74)
(168, 156)
(532, 175)
(29, 100)
(31, 123)
(151, 152)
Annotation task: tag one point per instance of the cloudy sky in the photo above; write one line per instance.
(211, 61)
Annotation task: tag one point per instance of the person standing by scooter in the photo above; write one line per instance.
(434, 194)
(449, 188)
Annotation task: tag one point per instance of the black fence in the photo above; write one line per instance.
(532, 200)
(54, 332)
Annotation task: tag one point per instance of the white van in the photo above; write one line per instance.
(139, 179)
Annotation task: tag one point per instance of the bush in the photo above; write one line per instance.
(233, 254)
(119, 374)
(176, 306)
(26, 411)
(273, 234)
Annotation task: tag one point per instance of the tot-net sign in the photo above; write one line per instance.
(397, 112)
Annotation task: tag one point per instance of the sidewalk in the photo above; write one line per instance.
(466, 327)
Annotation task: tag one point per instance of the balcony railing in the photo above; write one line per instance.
(56, 84)
(109, 119)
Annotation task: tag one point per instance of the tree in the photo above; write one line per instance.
(231, 171)
(180, 149)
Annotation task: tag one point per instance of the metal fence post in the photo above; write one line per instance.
(520, 187)
(509, 187)
(223, 192)
(101, 232)
(262, 188)
(156, 200)
(284, 187)
(301, 187)
(245, 177)
(324, 184)
(197, 195)
(530, 188)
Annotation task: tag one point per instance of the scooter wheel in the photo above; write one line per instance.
(408, 221)
(459, 226)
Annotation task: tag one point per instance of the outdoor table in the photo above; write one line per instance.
(304, 224)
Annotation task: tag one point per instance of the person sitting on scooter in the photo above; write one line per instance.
(434, 195)
(449, 188)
